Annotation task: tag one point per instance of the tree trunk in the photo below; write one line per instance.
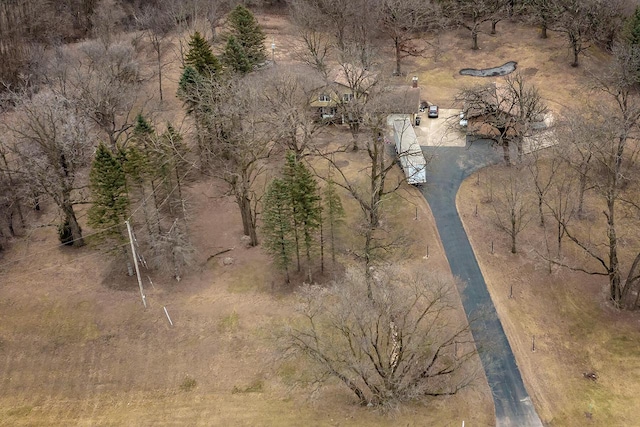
(244, 203)
(332, 238)
(70, 217)
(296, 238)
(540, 210)
(283, 252)
(506, 154)
(581, 190)
(398, 56)
(560, 233)
(474, 38)
(614, 266)
(309, 263)
(368, 239)
(543, 30)
(575, 47)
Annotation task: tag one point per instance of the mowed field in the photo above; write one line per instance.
(77, 347)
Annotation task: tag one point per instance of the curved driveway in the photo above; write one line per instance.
(448, 167)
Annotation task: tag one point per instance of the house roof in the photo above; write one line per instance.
(403, 99)
(347, 74)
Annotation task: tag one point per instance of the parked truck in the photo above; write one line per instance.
(409, 152)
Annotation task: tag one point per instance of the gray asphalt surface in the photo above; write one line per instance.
(448, 167)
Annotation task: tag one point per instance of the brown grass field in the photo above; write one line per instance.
(77, 348)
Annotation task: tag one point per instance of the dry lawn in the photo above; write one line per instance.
(77, 347)
(575, 330)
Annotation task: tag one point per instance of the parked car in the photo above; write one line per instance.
(423, 106)
(433, 111)
(463, 119)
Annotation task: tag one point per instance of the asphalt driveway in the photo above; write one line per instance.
(448, 167)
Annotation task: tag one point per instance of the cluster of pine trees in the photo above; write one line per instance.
(295, 215)
(150, 174)
(243, 51)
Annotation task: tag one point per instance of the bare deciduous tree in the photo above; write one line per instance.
(52, 143)
(311, 27)
(471, 14)
(578, 136)
(106, 84)
(403, 342)
(543, 167)
(504, 112)
(157, 24)
(614, 157)
(291, 121)
(405, 21)
(543, 13)
(237, 138)
(511, 206)
(560, 199)
(107, 19)
(373, 186)
(584, 21)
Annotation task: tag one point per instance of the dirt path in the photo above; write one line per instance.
(448, 168)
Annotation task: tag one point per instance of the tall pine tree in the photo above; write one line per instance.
(278, 226)
(235, 57)
(305, 205)
(334, 213)
(200, 56)
(109, 193)
(247, 31)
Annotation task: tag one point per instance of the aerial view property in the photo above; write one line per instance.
(320, 213)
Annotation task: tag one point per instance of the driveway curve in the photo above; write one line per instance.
(448, 167)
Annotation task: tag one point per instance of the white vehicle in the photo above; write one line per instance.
(409, 152)
(463, 120)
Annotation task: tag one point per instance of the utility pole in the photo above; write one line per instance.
(135, 263)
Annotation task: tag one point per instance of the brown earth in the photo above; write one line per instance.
(77, 347)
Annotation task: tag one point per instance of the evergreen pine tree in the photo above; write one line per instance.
(143, 128)
(632, 30)
(277, 225)
(188, 85)
(334, 213)
(152, 167)
(136, 165)
(109, 193)
(305, 204)
(201, 57)
(235, 57)
(289, 178)
(248, 33)
(311, 209)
